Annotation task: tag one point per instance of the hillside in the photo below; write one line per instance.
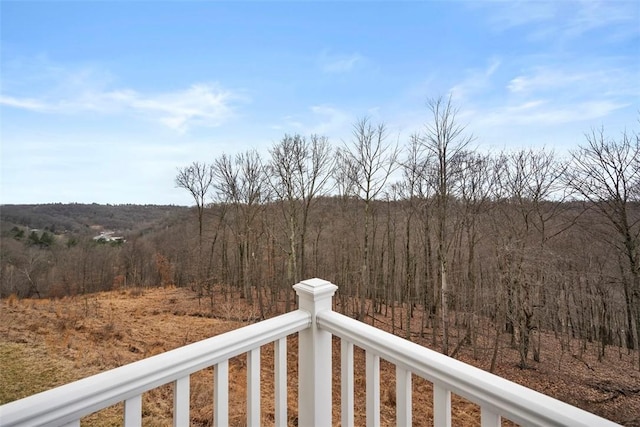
(82, 218)
(47, 342)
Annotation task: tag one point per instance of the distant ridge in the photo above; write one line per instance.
(86, 218)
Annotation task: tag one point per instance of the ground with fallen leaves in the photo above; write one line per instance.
(49, 342)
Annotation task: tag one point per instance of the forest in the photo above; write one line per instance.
(472, 243)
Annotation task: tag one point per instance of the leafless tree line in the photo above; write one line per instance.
(439, 230)
(450, 242)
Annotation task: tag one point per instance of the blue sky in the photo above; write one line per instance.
(103, 101)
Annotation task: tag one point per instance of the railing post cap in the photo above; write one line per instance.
(316, 288)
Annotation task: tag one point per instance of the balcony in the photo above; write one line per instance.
(316, 324)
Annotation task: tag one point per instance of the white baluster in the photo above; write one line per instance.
(181, 402)
(221, 394)
(280, 372)
(133, 411)
(489, 418)
(373, 389)
(403, 397)
(441, 406)
(253, 387)
(346, 382)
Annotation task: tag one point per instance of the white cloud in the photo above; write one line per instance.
(322, 119)
(547, 79)
(24, 103)
(533, 99)
(506, 15)
(620, 16)
(198, 105)
(332, 120)
(292, 122)
(575, 81)
(82, 89)
(476, 81)
(547, 113)
(336, 64)
(565, 20)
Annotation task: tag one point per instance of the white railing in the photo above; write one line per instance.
(315, 323)
(66, 405)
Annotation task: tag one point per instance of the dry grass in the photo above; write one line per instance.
(45, 343)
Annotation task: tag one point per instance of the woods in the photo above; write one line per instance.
(475, 245)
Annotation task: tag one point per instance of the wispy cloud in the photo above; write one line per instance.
(562, 20)
(318, 119)
(290, 123)
(476, 81)
(544, 79)
(592, 80)
(621, 17)
(330, 120)
(551, 80)
(506, 15)
(339, 63)
(24, 103)
(548, 94)
(546, 112)
(75, 92)
(201, 104)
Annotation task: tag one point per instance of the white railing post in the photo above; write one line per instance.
(314, 356)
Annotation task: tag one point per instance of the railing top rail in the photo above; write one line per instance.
(518, 403)
(72, 401)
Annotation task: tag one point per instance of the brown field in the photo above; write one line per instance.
(49, 342)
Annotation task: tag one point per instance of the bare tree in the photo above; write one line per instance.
(299, 171)
(475, 191)
(444, 139)
(416, 189)
(368, 161)
(531, 190)
(606, 173)
(197, 179)
(242, 183)
(33, 267)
